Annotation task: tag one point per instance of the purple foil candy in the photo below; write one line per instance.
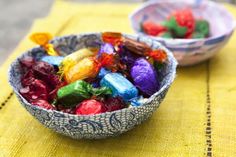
(106, 48)
(145, 77)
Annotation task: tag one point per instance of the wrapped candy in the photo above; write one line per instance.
(179, 24)
(102, 73)
(88, 67)
(202, 29)
(43, 39)
(43, 104)
(88, 107)
(106, 48)
(127, 57)
(79, 55)
(113, 38)
(94, 80)
(143, 49)
(137, 101)
(114, 103)
(119, 85)
(46, 73)
(39, 80)
(136, 47)
(184, 22)
(152, 28)
(34, 89)
(72, 59)
(81, 70)
(53, 60)
(72, 94)
(145, 77)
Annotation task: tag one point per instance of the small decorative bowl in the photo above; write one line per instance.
(99, 125)
(189, 51)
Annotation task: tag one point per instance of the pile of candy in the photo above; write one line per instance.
(180, 24)
(121, 73)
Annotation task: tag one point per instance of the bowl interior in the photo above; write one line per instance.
(221, 21)
(70, 44)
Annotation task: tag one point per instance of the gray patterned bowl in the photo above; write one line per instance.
(100, 125)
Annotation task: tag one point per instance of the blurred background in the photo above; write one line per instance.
(16, 17)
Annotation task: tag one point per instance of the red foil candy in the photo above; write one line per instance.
(43, 104)
(152, 28)
(39, 81)
(46, 73)
(114, 103)
(52, 95)
(185, 18)
(90, 107)
(36, 89)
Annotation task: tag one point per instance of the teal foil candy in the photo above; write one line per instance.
(53, 60)
(120, 86)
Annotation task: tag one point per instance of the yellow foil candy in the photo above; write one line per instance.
(43, 39)
(72, 59)
(80, 54)
(83, 69)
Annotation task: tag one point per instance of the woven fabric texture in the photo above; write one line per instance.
(197, 117)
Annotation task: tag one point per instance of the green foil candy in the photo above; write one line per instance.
(197, 35)
(173, 26)
(78, 91)
(202, 27)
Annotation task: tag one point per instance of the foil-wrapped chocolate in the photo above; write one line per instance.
(73, 93)
(137, 101)
(136, 47)
(145, 77)
(53, 60)
(106, 48)
(43, 103)
(119, 85)
(128, 58)
(114, 103)
(90, 107)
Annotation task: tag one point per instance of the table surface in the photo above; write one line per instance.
(197, 117)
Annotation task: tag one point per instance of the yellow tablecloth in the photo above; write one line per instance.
(197, 118)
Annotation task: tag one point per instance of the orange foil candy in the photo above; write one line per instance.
(158, 55)
(112, 37)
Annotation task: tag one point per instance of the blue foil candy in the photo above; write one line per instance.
(119, 85)
(53, 60)
(137, 101)
(103, 72)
